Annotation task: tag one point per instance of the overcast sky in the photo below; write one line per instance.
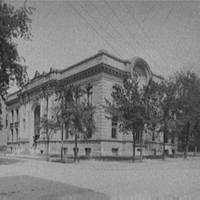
(165, 33)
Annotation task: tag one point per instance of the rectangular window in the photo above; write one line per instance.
(75, 149)
(154, 152)
(115, 151)
(114, 128)
(17, 134)
(138, 137)
(6, 121)
(89, 88)
(65, 151)
(12, 113)
(12, 137)
(89, 135)
(88, 152)
(114, 132)
(24, 123)
(166, 152)
(172, 140)
(166, 139)
(66, 134)
(8, 137)
(153, 136)
(17, 113)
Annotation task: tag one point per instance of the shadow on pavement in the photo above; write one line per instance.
(31, 188)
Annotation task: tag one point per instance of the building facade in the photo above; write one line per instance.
(26, 106)
(3, 125)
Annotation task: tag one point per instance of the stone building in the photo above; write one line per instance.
(26, 106)
(3, 124)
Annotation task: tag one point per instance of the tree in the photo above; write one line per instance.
(162, 107)
(150, 98)
(196, 137)
(76, 112)
(188, 103)
(14, 24)
(48, 126)
(64, 99)
(128, 108)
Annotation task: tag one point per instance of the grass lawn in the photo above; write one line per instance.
(31, 188)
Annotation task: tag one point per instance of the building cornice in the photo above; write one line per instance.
(100, 53)
(55, 76)
(99, 68)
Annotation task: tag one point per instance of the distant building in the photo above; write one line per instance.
(26, 106)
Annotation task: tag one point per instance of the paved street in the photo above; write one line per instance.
(153, 179)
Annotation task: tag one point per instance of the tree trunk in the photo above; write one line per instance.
(141, 145)
(133, 158)
(75, 148)
(195, 150)
(187, 140)
(186, 151)
(164, 136)
(61, 155)
(47, 153)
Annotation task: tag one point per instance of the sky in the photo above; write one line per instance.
(164, 33)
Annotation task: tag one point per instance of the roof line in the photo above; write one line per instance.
(13, 93)
(101, 52)
(158, 76)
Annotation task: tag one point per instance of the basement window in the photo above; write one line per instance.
(88, 152)
(115, 151)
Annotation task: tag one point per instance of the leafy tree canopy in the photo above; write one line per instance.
(188, 101)
(75, 110)
(128, 106)
(14, 24)
(188, 104)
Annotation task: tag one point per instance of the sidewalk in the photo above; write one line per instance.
(149, 180)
